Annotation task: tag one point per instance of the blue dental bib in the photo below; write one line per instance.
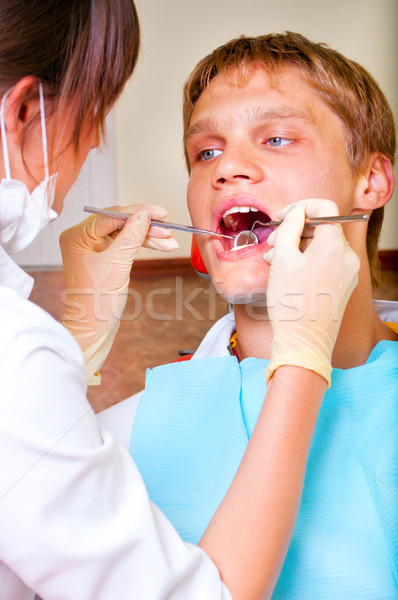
(191, 430)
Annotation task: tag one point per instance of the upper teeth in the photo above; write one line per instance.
(241, 209)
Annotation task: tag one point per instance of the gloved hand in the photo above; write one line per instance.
(97, 259)
(308, 291)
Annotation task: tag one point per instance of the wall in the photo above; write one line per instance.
(178, 33)
(94, 186)
(144, 159)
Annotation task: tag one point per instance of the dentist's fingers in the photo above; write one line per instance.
(292, 225)
(132, 236)
(271, 238)
(155, 210)
(165, 244)
(268, 256)
(101, 233)
(289, 231)
(159, 232)
(101, 225)
(286, 238)
(313, 207)
(154, 232)
(327, 232)
(135, 234)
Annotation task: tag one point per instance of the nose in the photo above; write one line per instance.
(235, 164)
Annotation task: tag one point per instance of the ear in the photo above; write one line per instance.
(375, 184)
(21, 105)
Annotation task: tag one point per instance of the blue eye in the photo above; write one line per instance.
(278, 141)
(208, 154)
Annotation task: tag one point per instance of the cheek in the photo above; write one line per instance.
(195, 202)
(336, 186)
(330, 175)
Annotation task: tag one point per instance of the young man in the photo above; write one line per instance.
(267, 122)
(270, 121)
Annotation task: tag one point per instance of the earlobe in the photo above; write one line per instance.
(375, 184)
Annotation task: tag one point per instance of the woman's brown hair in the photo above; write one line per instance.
(83, 51)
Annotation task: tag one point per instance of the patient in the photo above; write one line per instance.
(269, 121)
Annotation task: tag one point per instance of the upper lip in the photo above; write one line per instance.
(236, 200)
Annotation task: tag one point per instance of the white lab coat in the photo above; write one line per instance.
(75, 519)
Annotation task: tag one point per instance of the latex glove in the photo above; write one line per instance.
(308, 291)
(97, 259)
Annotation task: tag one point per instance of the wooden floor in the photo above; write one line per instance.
(162, 317)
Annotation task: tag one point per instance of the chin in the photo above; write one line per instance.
(241, 283)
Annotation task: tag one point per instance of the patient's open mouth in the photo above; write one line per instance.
(242, 218)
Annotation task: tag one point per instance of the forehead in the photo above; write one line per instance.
(281, 94)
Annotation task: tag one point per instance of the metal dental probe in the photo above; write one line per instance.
(165, 224)
(318, 220)
(248, 237)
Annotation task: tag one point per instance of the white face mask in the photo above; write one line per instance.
(23, 214)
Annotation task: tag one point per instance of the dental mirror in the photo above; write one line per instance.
(245, 238)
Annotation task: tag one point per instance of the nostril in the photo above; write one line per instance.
(234, 177)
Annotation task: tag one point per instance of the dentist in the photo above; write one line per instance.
(75, 518)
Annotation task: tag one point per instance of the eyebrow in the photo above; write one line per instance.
(255, 115)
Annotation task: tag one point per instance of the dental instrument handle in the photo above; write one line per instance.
(157, 223)
(189, 229)
(323, 220)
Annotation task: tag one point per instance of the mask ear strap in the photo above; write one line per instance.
(43, 131)
(4, 137)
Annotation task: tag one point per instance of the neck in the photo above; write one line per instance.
(254, 333)
(361, 328)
